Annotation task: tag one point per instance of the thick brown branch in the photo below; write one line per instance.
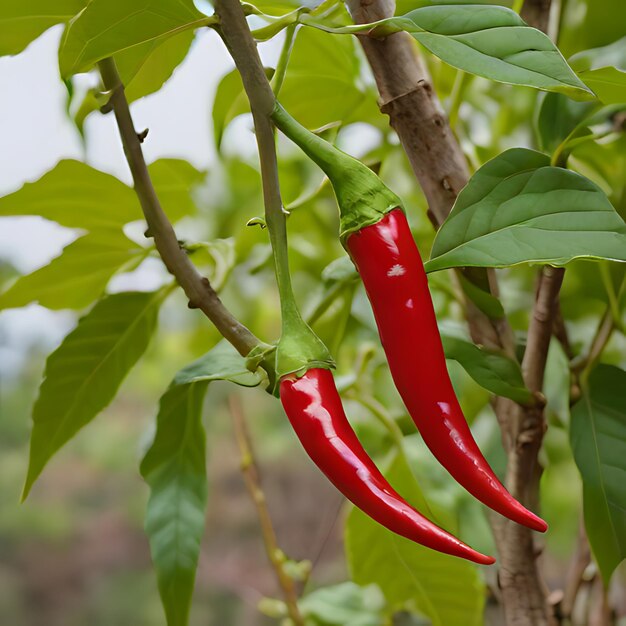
(537, 13)
(197, 288)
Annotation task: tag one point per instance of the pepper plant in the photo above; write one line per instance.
(495, 142)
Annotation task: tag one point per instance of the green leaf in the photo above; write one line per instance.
(105, 28)
(96, 201)
(345, 604)
(174, 181)
(175, 469)
(22, 21)
(492, 370)
(558, 117)
(230, 101)
(598, 439)
(608, 83)
(77, 196)
(519, 209)
(408, 572)
(77, 277)
(595, 58)
(145, 68)
(84, 373)
(489, 41)
(480, 296)
(220, 363)
(493, 42)
(320, 68)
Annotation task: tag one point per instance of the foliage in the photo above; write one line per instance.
(547, 188)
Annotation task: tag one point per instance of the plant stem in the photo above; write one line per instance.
(197, 288)
(241, 45)
(381, 414)
(461, 81)
(283, 59)
(252, 479)
(298, 347)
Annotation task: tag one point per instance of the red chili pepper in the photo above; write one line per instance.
(389, 263)
(315, 411)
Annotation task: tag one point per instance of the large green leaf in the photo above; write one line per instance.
(448, 590)
(518, 209)
(84, 373)
(175, 469)
(77, 196)
(598, 437)
(143, 70)
(492, 370)
(22, 21)
(489, 41)
(78, 276)
(105, 28)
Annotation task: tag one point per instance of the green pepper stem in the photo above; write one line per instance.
(299, 347)
(362, 197)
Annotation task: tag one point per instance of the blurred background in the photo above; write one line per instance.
(75, 552)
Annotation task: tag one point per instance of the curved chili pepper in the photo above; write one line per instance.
(315, 411)
(389, 263)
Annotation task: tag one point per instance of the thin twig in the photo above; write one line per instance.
(601, 338)
(252, 479)
(575, 574)
(197, 288)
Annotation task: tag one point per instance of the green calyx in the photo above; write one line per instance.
(300, 350)
(362, 197)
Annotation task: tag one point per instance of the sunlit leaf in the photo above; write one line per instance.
(230, 101)
(598, 438)
(612, 55)
(518, 209)
(608, 83)
(22, 21)
(77, 277)
(175, 469)
(77, 196)
(145, 68)
(409, 573)
(174, 181)
(106, 28)
(84, 373)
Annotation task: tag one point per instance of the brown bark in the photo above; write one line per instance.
(415, 112)
(537, 13)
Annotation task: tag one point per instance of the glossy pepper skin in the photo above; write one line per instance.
(392, 271)
(316, 413)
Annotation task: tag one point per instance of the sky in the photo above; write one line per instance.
(35, 134)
